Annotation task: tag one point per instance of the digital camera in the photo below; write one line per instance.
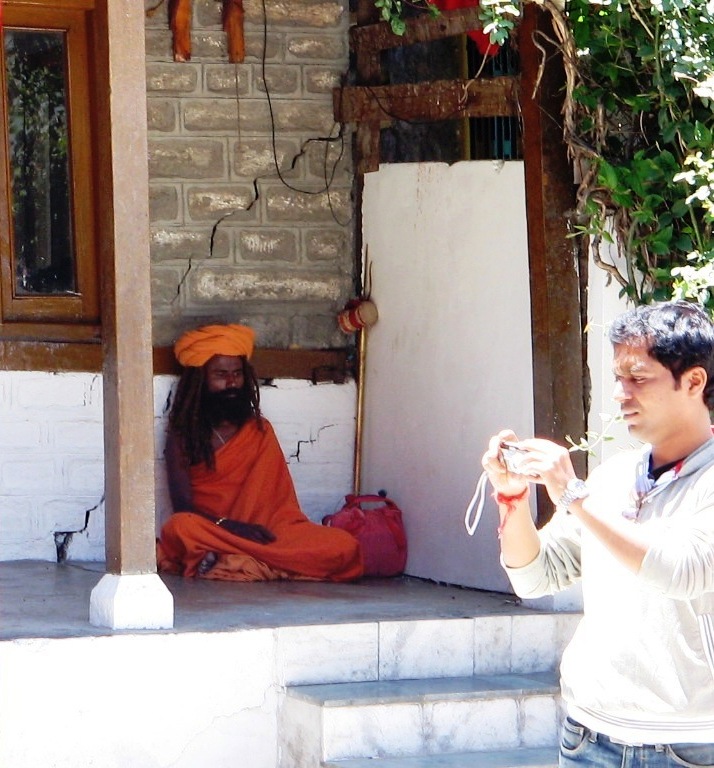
(512, 456)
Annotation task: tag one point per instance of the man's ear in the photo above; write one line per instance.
(696, 380)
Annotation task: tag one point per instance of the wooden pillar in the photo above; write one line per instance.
(558, 368)
(131, 595)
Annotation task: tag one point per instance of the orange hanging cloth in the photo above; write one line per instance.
(233, 26)
(180, 23)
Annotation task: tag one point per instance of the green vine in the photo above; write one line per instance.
(639, 123)
(499, 18)
(393, 11)
(639, 126)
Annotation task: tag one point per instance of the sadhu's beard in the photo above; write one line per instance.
(232, 405)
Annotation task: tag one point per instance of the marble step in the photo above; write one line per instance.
(434, 716)
(539, 757)
(522, 641)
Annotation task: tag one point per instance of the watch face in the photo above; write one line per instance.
(574, 490)
(577, 488)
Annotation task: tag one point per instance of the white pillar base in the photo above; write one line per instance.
(131, 601)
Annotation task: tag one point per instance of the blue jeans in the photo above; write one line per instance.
(582, 748)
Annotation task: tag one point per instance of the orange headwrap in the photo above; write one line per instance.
(195, 348)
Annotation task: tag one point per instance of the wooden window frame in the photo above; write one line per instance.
(56, 320)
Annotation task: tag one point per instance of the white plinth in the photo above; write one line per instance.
(131, 601)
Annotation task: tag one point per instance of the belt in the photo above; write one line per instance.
(595, 735)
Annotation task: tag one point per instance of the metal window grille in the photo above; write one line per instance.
(494, 138)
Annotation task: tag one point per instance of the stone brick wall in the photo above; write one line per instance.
(282, 262)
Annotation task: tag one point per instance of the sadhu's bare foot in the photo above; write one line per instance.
(209, 560)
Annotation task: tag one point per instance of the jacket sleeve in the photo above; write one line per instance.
(557, 565)
(680, 560)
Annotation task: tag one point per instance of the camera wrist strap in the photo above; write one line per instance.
(477, 503)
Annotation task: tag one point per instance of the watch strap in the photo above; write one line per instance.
(575, 489)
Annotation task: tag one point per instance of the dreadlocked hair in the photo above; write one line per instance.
(188, 419)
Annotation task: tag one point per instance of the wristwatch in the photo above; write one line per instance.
(574, 490)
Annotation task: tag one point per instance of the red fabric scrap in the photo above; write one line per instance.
(483, 43)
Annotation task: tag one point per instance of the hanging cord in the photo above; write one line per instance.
(328, 177)
(151, 11)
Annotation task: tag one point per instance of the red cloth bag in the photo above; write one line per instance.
(379, 529)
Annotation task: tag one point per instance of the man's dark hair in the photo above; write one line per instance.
(190, 420)
(677, 334)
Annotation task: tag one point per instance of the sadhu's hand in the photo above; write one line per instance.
(250, 531)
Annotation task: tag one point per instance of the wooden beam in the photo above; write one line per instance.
(420, 29)
(51, 333)
(315, 365)
(126, 298)
(367, 147)
(371, 103)
(369, 66)
(429, 101)
(309, 364)
(48, 356)
(550, 196)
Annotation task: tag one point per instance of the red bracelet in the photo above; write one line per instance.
(510, 503)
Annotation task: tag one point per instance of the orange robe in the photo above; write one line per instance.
(251, 483)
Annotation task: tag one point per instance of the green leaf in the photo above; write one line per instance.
(639, 103)
(679, 208)
(683, 243)
(398, 25)
(607, 175)
(623, 198)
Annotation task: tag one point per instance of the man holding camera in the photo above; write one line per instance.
(638, 676)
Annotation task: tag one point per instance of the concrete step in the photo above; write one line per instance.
(541, 757)
(400, 718)
(518, 642)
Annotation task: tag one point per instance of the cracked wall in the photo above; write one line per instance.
(52, 460)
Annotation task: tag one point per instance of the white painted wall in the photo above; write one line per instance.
(449, 362)
(604, 304)
(137, 700)
(52, 462)
(212, 699)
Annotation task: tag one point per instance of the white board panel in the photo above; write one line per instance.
(449, 362)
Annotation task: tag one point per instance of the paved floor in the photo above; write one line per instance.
(43, 599)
